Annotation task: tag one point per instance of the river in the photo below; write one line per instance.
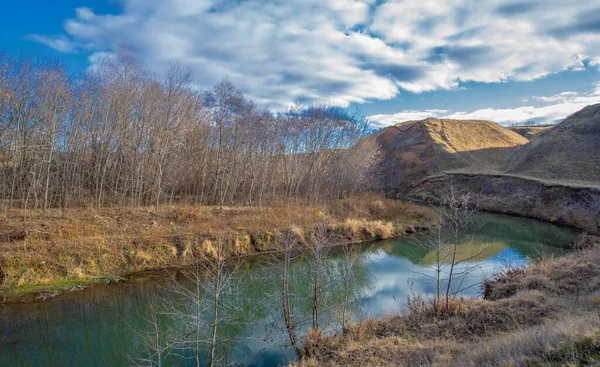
(108, 325)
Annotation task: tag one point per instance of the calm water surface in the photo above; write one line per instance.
(103, 326)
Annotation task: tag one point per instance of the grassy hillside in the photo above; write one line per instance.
(416, 149)
(530, 131)
(567, 153)
(571, 150)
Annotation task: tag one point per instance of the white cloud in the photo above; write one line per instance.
(344, 51)
(387, 120)
(560, 106)
(59, 43)
(557, 97)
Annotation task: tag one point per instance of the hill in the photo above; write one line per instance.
(569, 151)
(530, 131)
(413, 150)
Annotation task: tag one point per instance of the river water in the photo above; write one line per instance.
(110, 325)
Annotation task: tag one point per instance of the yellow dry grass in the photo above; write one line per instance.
(39, 249)
(570, 150)
(416, 149)
(530, 131)
(457, 136)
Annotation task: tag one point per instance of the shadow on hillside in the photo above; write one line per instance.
(402, 169)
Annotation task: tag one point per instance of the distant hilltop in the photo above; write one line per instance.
(570, 150)
(414, 150)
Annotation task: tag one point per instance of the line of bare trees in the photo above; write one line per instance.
(120, 135)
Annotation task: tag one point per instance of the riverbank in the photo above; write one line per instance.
(570, 204)
(545, 315)
(45, 252)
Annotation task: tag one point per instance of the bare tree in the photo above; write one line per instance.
(189, 306)
(349, 263)
(119, 135)
(155, 345)
(200, 303)
(319, 239)
(452, 249)
(288, 243)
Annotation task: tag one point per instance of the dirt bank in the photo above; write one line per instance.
(562, 204)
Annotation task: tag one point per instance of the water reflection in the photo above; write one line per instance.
(97, 327)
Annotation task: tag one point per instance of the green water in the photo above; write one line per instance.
(106, 325)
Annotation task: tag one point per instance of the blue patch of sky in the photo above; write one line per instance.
(18, 19)
(509, 256)
(472, 96)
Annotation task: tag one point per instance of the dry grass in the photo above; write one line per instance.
(543, 316)
(530, 131)
(573, 340)
(567, 154)
(561, 204)
(570, 150)
(364, 228)
(417, 149)
(496, 172)
(458, 136)
(553, 276)
(40, 249)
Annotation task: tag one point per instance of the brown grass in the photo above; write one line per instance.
(573, 340)
(417, 149)
(496, 172)
(561, 204)
(530, 131)
(39, 249)
(543, 316)
(553, 276)
(570, 150)
(457, 136)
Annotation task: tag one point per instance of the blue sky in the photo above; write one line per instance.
(505, 60)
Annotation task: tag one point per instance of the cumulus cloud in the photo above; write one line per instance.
(345, 51)
(557, 108)
(391, 119)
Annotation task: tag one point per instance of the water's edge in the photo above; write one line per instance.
(165, 272)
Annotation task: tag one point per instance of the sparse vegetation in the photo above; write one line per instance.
(530, 131)
(570, 150)
(544, 315)
(553, 177)
(572, 205)
(416, 149)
